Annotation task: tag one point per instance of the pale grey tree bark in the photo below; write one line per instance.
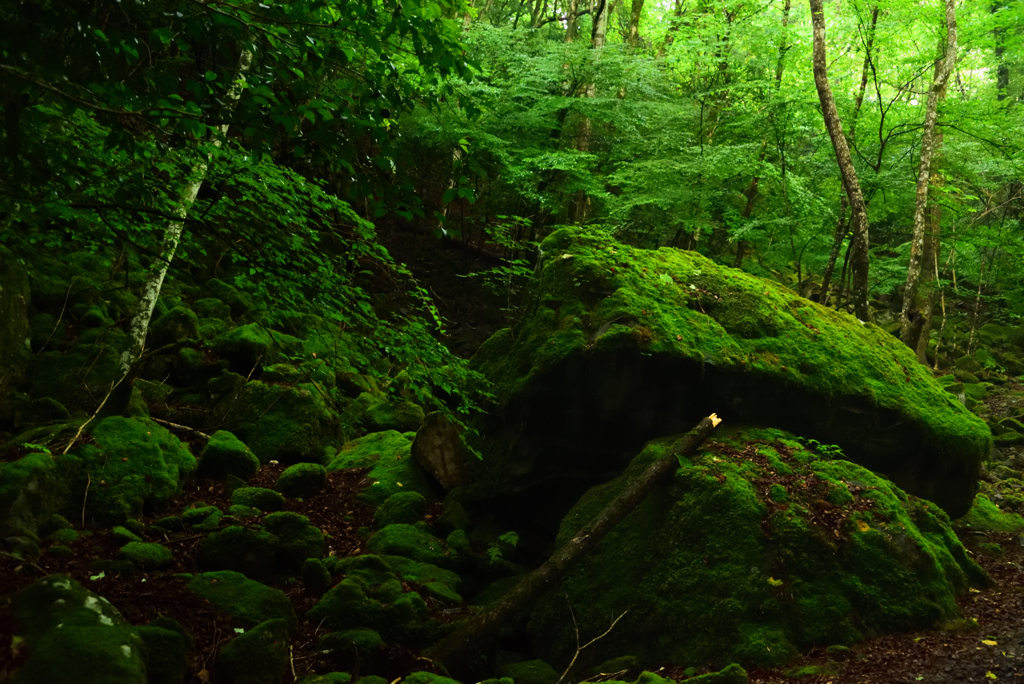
(913, 317)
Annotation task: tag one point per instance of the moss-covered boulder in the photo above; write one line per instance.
(259, 656)
(297, 539)
(402, 507)
(244, 550)
(81, 376)
(388, 455)
(166, 654)
(180, 323)
(404, 416)
(73, 636)
(226, 455)
(413, 543)
(134, 465)
(258, 497)
(33, 489)
(287, 423)
(756, 549)
(621, 345)
(253, 345)
(302, 480)
(246, 600)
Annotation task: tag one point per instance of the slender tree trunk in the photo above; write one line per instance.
(1002, 68)
(479, 631)
(157, 271)
(913, 316)
(751, 191)
(841, 223)
(859, 218)
(572, 21)
(580, 206)
(633, 34)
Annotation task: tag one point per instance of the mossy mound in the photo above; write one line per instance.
(260, 656)
(621, 345)
(302, 480)
(711, 568)
(226, 455)
(388, 455)
(135, 465)
(70, 632)
(248, 601)
(35, 488)
(147, 556)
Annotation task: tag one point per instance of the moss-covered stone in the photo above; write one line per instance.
(401, 507)
(297, 539)
(80, 376)
(33, 489)
(260, 656)
(404, 416)
(713, 570)
(192, 368)
(371, 596)
(249, 346)
(392, 469)
(410, 542)
(226, 455)
(329, 678)
(135, 465)
(246, 600)
(178, 324)
(530, 672)
(239, 302)
(302, 480)
(287, 423)
(250, 552)
(621, 345)
(165, 655)
(428, 678)
(201, 517)
(70, 631)
(360, 641)
(147, 556)
(258, 497)
(985, 516)
(316, 578)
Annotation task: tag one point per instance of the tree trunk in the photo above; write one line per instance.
(480, 630)
(859, 260)
(633, 34)
(673, 29)
(580, 206)
(572, 20)
(913, 316)
(157, 271)
(751, 191)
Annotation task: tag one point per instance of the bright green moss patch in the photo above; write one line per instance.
(248, 601)
(388, 455)
(986, 516)
(738, 561)
(147, 556)
(260, 656)
(138, 466)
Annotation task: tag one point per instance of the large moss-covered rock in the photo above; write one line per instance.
(301, 480)
(622, 345)
(297, 539)
(250, 552)
(755, 549)
(81, 376)
(74, 637)
(134, 465)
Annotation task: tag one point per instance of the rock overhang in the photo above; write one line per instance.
(621, 345)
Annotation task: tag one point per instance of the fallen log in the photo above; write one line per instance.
(477, 632)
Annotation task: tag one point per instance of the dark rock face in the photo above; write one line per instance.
(622, 346)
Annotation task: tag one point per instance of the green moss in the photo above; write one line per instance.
(180, 323)
(732, 674)
(297, 539)
(165, 655)
(302, 480)
(70, 631)
(202, 518)
(403, 416)
(721, 334)
(147, 556)
(392, 469)
(401, 507)
(250, 552)
(427, 678)
(316, 578)
(82, 375)
(753, 579)
(410, 542)
(226, 455)
(260, 656)
(35, 488)
(986, 516)
(530, 672)
(251, 345)
(284, 423)
(135, 465)
(329, 678)
(247, 601)
(258, 497)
